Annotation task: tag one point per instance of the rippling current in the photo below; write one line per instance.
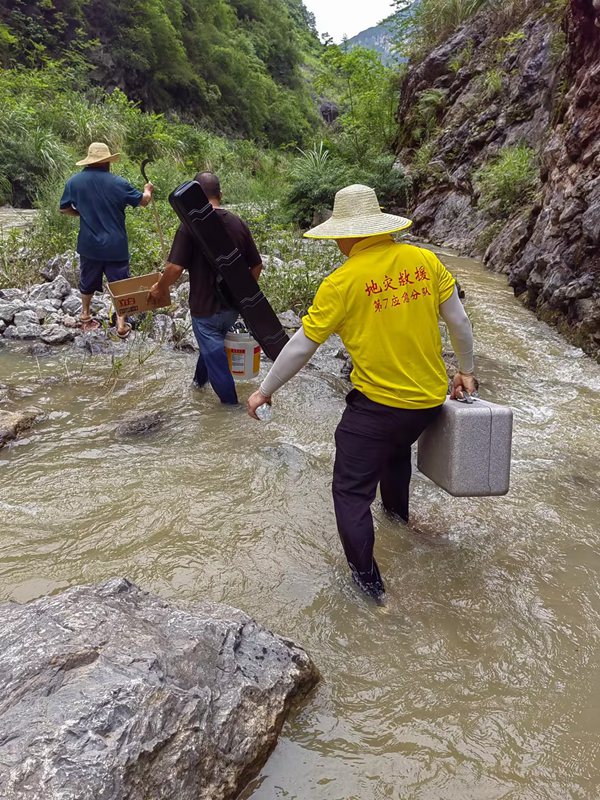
(481, 681)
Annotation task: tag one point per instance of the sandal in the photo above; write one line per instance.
(125, 332)
(88, 323)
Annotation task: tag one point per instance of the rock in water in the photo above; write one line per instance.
(111, 693)
(12, 423)
(136, 424)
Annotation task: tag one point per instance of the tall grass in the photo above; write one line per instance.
(430, 22)
(510, 180)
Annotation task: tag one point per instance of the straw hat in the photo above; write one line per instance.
(356, 213)
(98, 153)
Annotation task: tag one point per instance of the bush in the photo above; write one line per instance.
(305, 264)
(318, 175)
(510, 180)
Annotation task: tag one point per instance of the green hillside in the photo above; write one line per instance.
(234, 65)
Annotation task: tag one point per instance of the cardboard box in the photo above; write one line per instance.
(131, 295)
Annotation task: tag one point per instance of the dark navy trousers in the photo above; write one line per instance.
(373, 446)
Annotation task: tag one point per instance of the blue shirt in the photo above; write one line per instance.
(101, 199)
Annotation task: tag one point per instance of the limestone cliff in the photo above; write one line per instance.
(519, 83)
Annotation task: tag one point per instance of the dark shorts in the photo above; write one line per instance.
(91, 271)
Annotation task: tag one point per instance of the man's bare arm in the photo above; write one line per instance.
(172, 273)
(255, 271)
(147, 196)
(69, 211)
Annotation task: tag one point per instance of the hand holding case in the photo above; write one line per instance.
(191, 205)
(467, 450)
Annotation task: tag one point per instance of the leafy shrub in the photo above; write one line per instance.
(317, 175)
(510, 180)
(316, 178)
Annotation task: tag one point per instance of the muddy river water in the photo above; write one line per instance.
(481, 681)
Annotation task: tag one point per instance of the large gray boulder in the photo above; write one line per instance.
(109, 693)
(72, 304)
(13, 294)
(26, 317)
(66, 264)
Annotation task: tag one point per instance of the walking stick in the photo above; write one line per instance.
(163, 248)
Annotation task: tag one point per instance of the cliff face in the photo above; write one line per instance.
(528, 84)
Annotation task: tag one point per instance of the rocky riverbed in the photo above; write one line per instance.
(48, 314)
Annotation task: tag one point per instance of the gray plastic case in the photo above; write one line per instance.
(467, 450)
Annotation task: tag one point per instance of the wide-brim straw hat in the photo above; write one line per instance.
(356, 213)
(98, 153)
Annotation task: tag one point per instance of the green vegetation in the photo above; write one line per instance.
(236, 66)
(492, 83)
(314, 182)
(427, 111)
(510, 180)
(358, 147)
(558, 45)
(306, 263)
(427, 23)
(512, 39)
(47, 126)
(367, 93)
(463, 58)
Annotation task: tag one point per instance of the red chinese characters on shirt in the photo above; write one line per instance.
(406, 280)
(373, 288)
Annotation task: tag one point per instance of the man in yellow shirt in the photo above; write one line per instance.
(385, 303)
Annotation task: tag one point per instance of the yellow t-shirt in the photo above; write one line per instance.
(384, 304)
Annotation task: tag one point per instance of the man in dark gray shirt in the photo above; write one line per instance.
(212, 316)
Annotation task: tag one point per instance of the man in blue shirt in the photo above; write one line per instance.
(99, 199)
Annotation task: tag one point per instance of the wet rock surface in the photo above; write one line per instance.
(14, 423)
(548, 69)
(140, 424)
(109, 692)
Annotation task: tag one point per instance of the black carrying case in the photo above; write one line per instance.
(235, 282)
